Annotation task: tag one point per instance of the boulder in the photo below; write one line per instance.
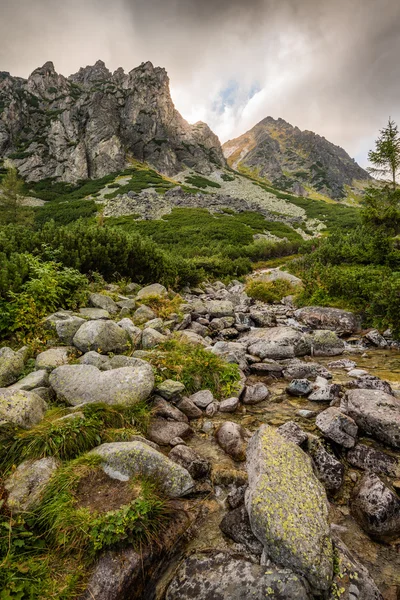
(220, 308)
(328, 469)
(170, 389)
(96, 360)
(268, 367)
(326, 343)
(375, 338)
(212, 409)
(202, 398)
(287, 507)
(189, 408)
(337, 426)
(262, 318)
(233, 440)
(104, 302)
(53, 358)
(189, 459)
(236, 496)
(162, 408)
(352, 580)
(231, 352)
(20, 407)
(318, 317)
(156, 324)
(142, 315)
(192, 338)
(92, 314)
(224, 576)
(83, 384)
(236, 525)
(162, 431)
(152, 338)
(343, 363)
(376, 413)
(63, 325)
(325, 393)
(300, 369)
(11, 365)
(124, 460)
(293, 433)
(278, 343)
(369, 459)
(135, 334)
(253, 394)
(26, 484)
(155, 289)
(101, 336)
(229, 405)
(33, 380)
(370, 382)
(299, 387)
(377, 508)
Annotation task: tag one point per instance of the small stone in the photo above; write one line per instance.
(328, 469)
(343, 363)
(233, 440)
(155, 289)
(33, 380)
(104, 302)
(299, 387)
(196, 465)
(357, 373)
(202, 398)
(293, 433)
(161, 431)
(253, 394)
(212, 409)
(228, 405)
(170, 389)
(189, 408)
(134, 333)
(306, 414)
(337, 426)
(152, 338)
(142, 315)
(26, 484)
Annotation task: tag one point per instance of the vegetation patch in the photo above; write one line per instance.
(270, 291)
(195, 367)
(201, 182)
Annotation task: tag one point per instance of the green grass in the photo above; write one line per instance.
(270, 291)
(201, 182)
(65, 212)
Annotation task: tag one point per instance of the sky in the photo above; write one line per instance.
(330, 66)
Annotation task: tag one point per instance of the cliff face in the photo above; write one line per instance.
(89, 124)
(294, 160)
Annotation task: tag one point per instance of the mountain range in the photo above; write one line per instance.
(92, 123)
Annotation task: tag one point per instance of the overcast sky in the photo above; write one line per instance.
(331, 66)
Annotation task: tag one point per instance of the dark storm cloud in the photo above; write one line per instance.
(331, 66)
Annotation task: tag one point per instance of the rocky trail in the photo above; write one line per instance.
(286, 487)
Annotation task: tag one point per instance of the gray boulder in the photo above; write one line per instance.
(189, 459)
(92, 314)
(326, 343)
(231, 352)
(142, 315)
(376, 413)
(83, 384)
(155, 289)
(325, 393)
(233, 440)
(337, 427)
(223, 576)
(26, 484)
(318, 317)
(293, 433)
(157, 324)
(299, 369)
(299, 387)
(328, 469)
(11, 365)
(170, 389)
(95, 359)
(375, 338)
(278, 343)
(63, 325)
(152, 338)
(104, 302)
(352, 578)
(370, 382)
(135, 334)
(253, 394)
(124, 460)
(369, 459)
(101, 336)
(287, 507)
(189, 408)
(53, 358)
(33, 380)
(202, 398)
(377, 508)
(236, 526)
(229, 405)
(220, 308)
(20, 407)
(162, 431)
(162, 408)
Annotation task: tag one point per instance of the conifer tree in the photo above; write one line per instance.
(385, 158)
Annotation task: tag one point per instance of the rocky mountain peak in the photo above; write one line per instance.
(91, 74)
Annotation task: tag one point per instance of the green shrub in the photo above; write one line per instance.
(201, 182)
(270, 291)
(195, 367)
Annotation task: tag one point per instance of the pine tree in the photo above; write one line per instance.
(10, 195)
(386, 156)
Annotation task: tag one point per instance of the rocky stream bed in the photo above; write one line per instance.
(287, 489)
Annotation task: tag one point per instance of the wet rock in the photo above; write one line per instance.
(375, 338)
(152, 338)
(337, 427)
(212, 409)
(161, 431)
(253, 394)
(231, 352)
(293, 433)
(376, 507)
(325, 393)
(233, 440)
(220, 308)
(155, 289)
(299, 369)
(170, 389)
(299, 387)
(33, 380)
(328, 469)
(11, 365)
(287, 507)
(326, 343)
(124, 460)
(278, 343)
(92, 314)
(162, 408)
(104, 302)
(134, 333)
(20, 407)
(370, 382)
(26, 484)
(229, 405)
(236, 525)
(262, 318)
(101, 336)
(376, 413)
(375, 461)
(63, 325)
(306, 414)
(343, 363)
(236, 497)
(268, 367)
(352, 578)
(196, 465)
(202, 398)
(54, 357)
(189, 408)
(357, 373)
(318, 317)
(142, 315)
(82, 384)
(225, 576)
